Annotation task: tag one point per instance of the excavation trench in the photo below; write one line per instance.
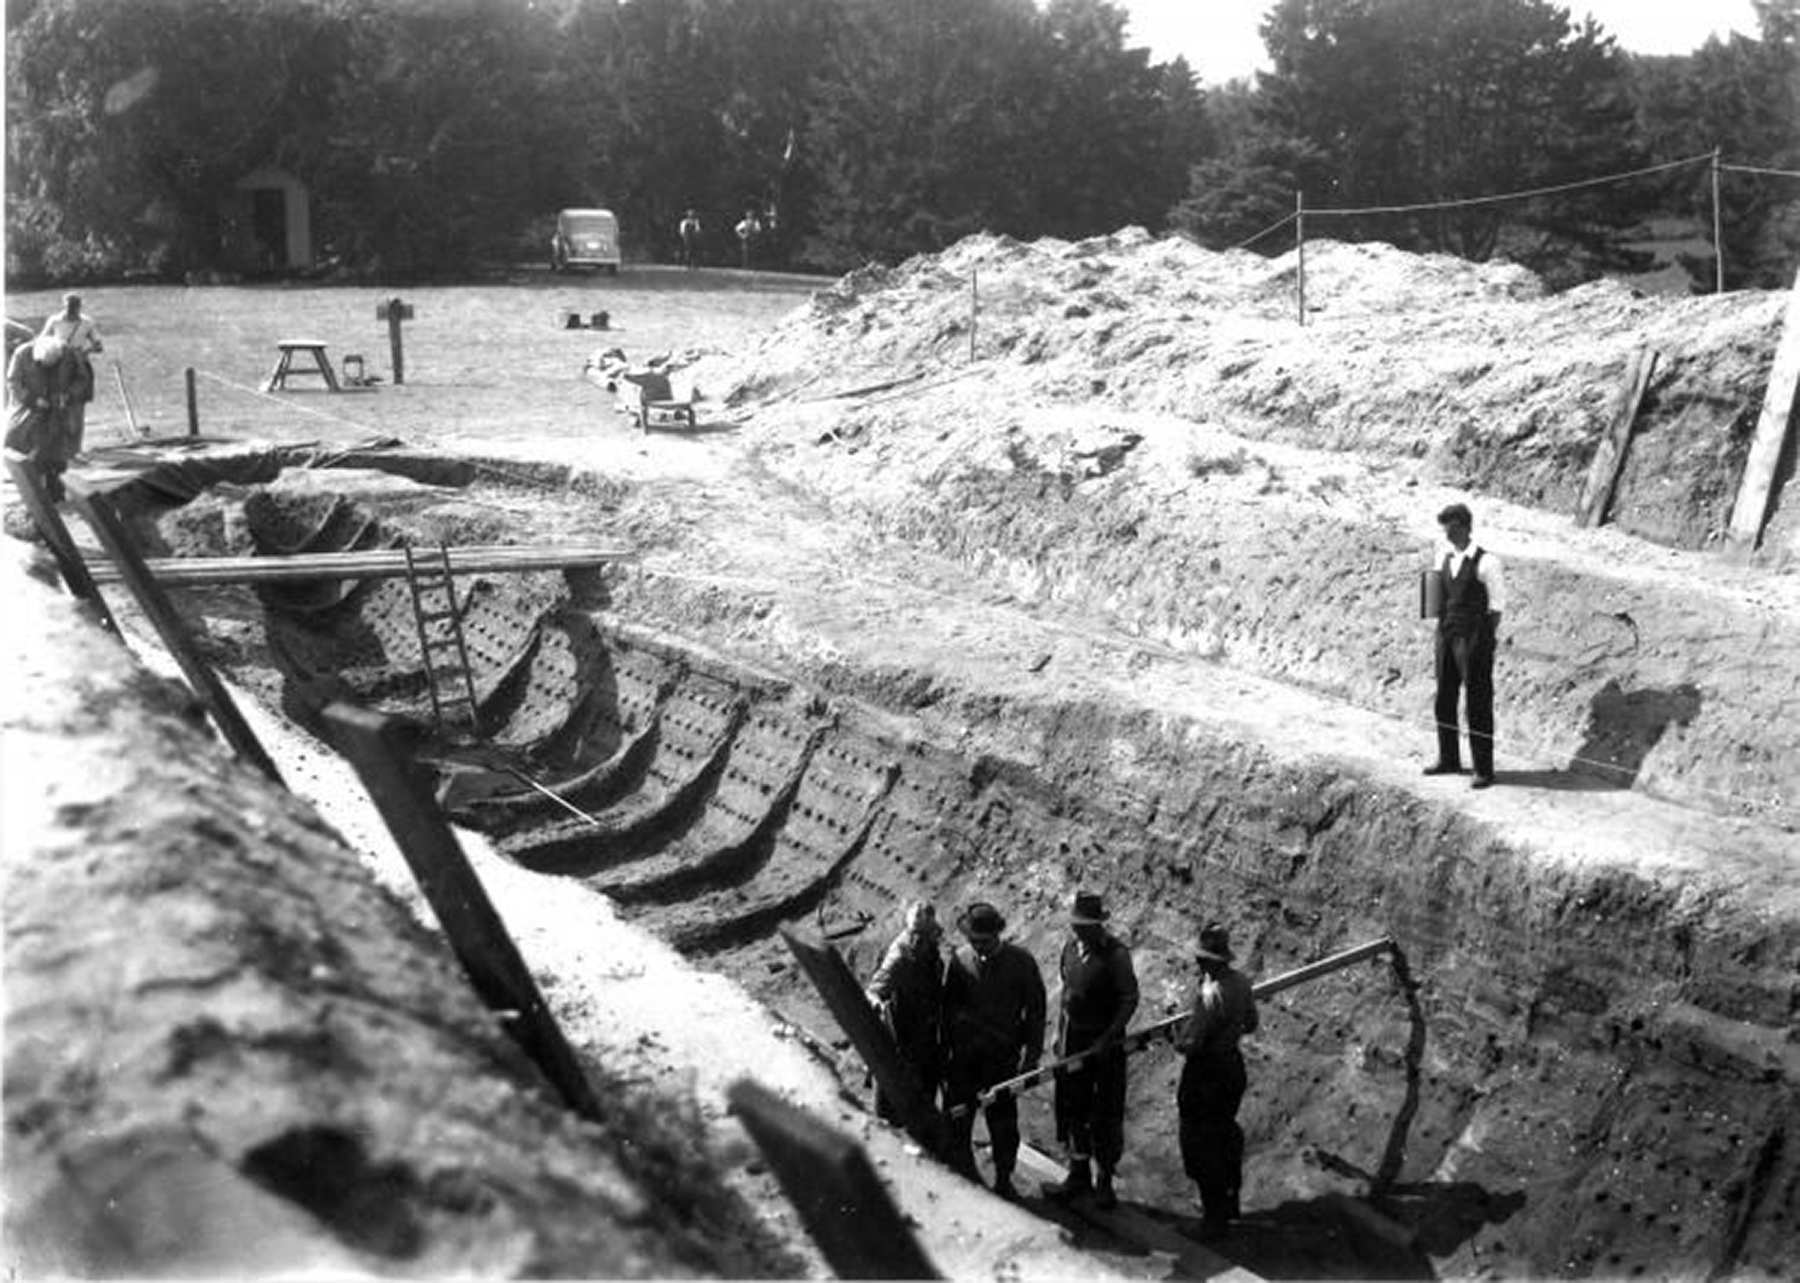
(1564, 1069)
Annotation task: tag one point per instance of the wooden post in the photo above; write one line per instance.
(125, 396)
(1718, 233)
(1300, 253)
(1772, 426)
(193, 404)
(831, 1183)
(974, 309)
(29, 483)
(170, 626)
(1609, 455)
(393, 311)
(373, 744)
(849, 1006)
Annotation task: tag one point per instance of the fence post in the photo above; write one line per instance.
(1300, 252)
(974, 309)
(193, 402)
(1718, 238)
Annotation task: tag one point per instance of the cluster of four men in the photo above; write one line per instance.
(978, 1018)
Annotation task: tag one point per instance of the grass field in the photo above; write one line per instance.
(481, 361)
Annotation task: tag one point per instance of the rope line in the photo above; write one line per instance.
(1759, 169)
(1527, 194)
(260, 395)
(1272, 227)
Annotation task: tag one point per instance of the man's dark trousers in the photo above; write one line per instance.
(1465, 662)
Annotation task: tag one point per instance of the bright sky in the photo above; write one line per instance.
(1219, 37)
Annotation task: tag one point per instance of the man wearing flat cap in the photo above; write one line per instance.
(908, 990)
(1467, 636)
(1213, 1080)
(994, 1014)
(42, 381)
(1099, 997)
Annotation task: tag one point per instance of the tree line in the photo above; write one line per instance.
(437, 135)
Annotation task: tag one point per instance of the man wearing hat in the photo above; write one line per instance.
(82, 340)
(1099, 996)
(908, 990)
(1213, 1080)
(42, 380)
(994, 1015)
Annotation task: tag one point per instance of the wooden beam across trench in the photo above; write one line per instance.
(373, 563)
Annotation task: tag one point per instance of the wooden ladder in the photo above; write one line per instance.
(446, 655)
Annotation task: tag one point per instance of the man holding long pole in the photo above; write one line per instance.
(1099, 997)
(1213, 1080)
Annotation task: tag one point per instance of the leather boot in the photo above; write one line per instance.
(1080, 1180)
(1104, 1198)
(1003, 1184)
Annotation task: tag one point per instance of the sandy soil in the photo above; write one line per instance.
(1149, 494)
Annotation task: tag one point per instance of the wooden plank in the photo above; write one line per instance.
(98, 511)
(1164, 1030)
(69, 561)
(1609, 456)
(833, 1186)
(379, 563)
(849, 1005)
(373, 745)
(1752, 507)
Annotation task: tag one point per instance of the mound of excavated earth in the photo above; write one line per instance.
(1012, 571)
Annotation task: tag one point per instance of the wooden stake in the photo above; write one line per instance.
(849, 1006)
(374, 747)
(831, 1183)
(1609, 456)
(97, 509)
(1772, 426)
(69, 561)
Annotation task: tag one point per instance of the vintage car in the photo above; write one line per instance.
(585, 238)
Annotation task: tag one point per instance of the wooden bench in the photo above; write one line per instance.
(285, 364)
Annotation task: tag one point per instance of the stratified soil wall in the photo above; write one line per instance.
(1575, 1067)
(230, 1053)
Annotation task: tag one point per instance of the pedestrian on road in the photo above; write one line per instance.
(689, 230)
(1474, 582)
(1213, 1080)
(42, 380)
(908, 991)
(994, 1015)
(1099, 997)
(83, 341)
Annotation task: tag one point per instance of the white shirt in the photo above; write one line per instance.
(79, 334)
(1490, 570)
